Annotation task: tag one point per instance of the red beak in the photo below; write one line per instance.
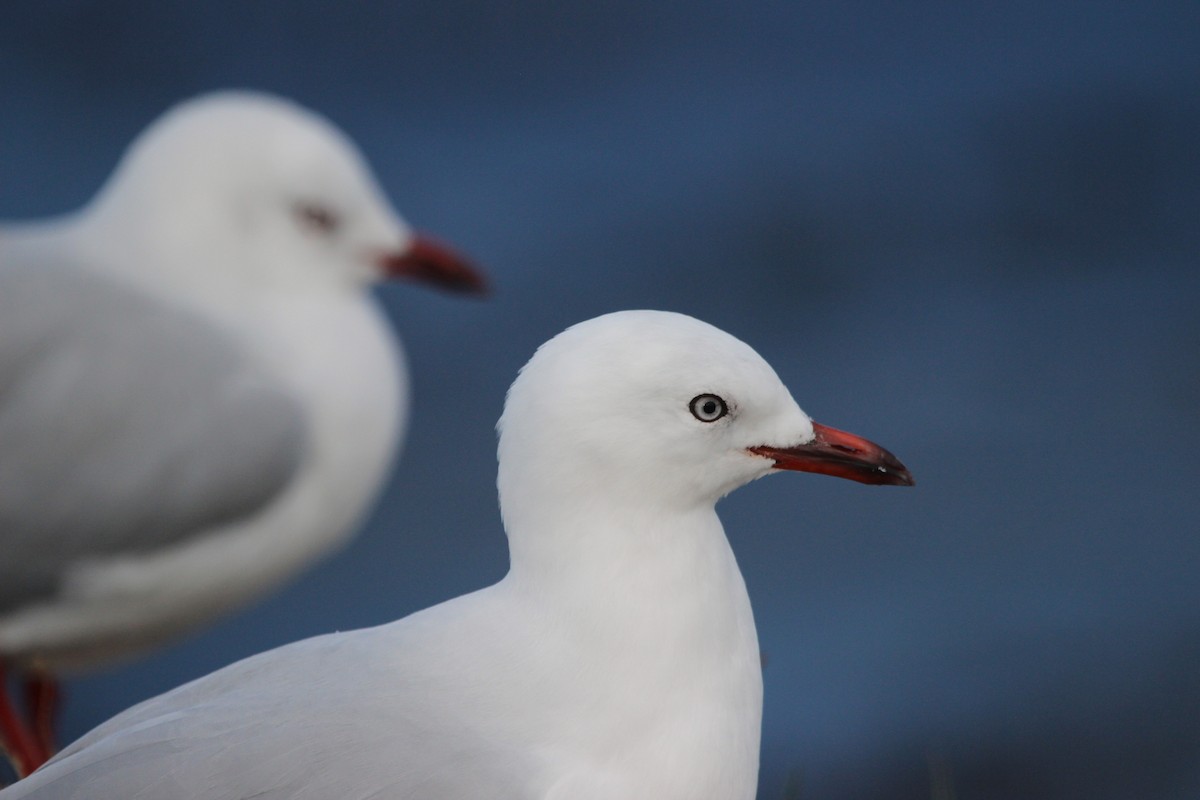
(428, 261)
(841, 454)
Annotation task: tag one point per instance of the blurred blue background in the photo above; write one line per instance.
(967, 231)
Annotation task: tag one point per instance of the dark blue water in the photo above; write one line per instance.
(967, 232)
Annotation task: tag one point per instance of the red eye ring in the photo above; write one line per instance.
(317, 217)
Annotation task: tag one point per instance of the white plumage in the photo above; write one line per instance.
(198, 397)
(616, 660)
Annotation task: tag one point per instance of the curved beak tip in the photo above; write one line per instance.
(842, 455)
(902, 477)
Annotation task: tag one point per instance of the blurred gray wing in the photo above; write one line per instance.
(126, 424)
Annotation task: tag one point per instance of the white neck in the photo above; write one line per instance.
(652, 617)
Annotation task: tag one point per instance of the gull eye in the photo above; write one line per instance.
(317, 218)
(708, 407)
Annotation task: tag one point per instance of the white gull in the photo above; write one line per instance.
(198, 396)
(616, 660)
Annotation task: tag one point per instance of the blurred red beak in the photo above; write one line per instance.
(841, 454)
(428, 261)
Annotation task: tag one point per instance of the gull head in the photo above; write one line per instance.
(657, 409)
(265, 191)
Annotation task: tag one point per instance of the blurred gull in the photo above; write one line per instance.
(197, 395)
(617, 659)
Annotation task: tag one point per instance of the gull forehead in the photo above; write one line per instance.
(236, 115)
(655, 348)
(255, 135)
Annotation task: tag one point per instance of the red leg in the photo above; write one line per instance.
(42, 695)
(18, 743)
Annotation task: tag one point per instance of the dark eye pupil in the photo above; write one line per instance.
(708, 407)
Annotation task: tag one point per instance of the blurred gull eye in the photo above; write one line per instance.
(708, 407)
(317, 218)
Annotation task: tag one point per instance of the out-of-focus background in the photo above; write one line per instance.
(967, 231)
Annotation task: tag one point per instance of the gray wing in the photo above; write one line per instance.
(125, 424)
(326, 717)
